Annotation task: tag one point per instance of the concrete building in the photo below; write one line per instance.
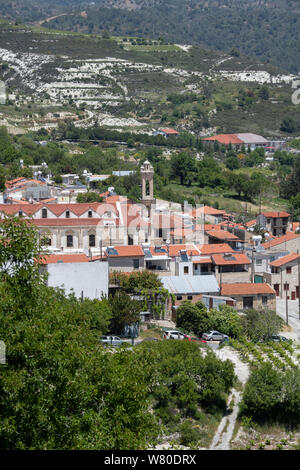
(76, 274)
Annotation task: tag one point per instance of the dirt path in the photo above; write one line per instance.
(223, 436)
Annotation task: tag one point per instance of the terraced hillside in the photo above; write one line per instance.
(126, 83)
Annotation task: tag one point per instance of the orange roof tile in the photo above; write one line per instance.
(285, 260)
(170, 131)
(174, 250)
(275, 214)
(225, 139)
(221, 235)
(128, 251)
(279, 240)
(246, 288)
(210, 249)
(238, 258)
(72, 258)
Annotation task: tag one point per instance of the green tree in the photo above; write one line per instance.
(182, 164)
(59, 388)
(125, 311)
(192, 317)
(294, 206)
(260, 325)
(90, 196)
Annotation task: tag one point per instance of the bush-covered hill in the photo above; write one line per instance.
(268, 30)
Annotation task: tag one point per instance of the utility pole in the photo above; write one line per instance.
(286, 303)
(252, 266)
(298, 284)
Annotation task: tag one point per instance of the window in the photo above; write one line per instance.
(247, 302)
(258, 262)
(190, 297)
(136, 263)
(67, 214)
(20, 214)
(264, 299)
(90, 214)
(69, 241)
(44, 214)
(289, 270)
(92, 240)
(179, 297)
(286, 286)
(186, 269)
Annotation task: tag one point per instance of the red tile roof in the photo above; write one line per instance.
(70, 222)
(238, 258)
(72, 258)
(221, 235)
(206, 260)
(285, 260)
(246, 288)
(225, 139)
(274, 214)
(128, 251)
(170, 131)
(174, 250)
(251, 223)
(210, 249)
(279, 240)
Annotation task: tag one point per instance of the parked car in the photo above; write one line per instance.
(111, 340)
(173, 334)
(278, 338)
(214, 335)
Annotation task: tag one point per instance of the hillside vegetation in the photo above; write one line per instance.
(267, 30)
(139, 84)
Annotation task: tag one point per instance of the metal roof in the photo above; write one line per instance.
(191, 284)
(249, 138)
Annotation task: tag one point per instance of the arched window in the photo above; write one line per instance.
(147, 188)
(67, 214)
(44, 213)
(92, 241)
(69, 241)
(90, 214)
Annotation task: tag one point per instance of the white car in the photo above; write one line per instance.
(111, 340)
(173, 334)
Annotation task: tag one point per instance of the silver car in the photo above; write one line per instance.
(111, 340)
(173, 334)
(214, 335)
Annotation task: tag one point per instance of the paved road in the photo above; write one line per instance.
(293, 316)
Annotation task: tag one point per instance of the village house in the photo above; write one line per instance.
(166, 133)
(189, 288)
(250, 295)
(276, 223)
(285, 276)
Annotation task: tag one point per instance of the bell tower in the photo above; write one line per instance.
(147, 174)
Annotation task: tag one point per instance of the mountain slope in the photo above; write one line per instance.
(267, 30)
(146, 85)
